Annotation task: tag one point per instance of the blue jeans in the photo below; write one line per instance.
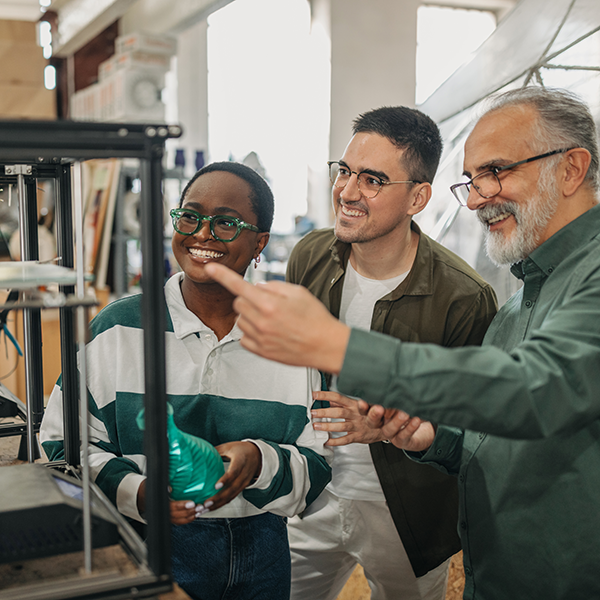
(232, 559)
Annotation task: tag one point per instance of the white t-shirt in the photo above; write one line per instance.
(353, 472)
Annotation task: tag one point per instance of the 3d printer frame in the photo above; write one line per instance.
(48, 149)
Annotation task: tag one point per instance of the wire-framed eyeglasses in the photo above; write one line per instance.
(222, 227)
(487, 184)
(369, 185)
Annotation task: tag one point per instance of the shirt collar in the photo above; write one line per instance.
(185, 322)
(564, 242)
(419, 281)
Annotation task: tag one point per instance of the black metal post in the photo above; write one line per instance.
(32, 322)
(153, 319)
(64, 247)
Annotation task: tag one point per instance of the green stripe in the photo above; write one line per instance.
(126, 312)
(54, 450)
(281, 484)
(111, 475)
(216, 419)
(319, 472)
(220, 420)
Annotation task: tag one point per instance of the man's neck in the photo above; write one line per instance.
(385, 260)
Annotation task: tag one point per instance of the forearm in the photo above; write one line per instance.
(290, 479)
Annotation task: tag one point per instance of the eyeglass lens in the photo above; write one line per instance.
(486, 184)
(221, 227)
(368, 185)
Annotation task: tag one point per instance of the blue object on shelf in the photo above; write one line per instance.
(180, 157)
(199, 159)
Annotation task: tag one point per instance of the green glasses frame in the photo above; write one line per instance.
(215, 220)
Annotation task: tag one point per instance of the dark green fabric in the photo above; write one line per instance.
(529, 486)
(442, 301)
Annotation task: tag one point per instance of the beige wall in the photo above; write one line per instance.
(22, 91)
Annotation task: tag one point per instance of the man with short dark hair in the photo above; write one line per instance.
(525, 407)
(376, 270)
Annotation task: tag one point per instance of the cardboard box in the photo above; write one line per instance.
(18, 31)
(27, 102)
(21, 63)
(137, 96)
(106, 68)
(136, 60)
(141, 42)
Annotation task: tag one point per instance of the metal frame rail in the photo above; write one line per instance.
(50, 148)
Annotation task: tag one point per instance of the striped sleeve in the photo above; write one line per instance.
(293, 475)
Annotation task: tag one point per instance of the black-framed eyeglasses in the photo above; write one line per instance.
(368, 184)
(487, 184)
(222, 227)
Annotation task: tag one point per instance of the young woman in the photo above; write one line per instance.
(256, 412)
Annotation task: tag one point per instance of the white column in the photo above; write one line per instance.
(192, 93)
(372, 60)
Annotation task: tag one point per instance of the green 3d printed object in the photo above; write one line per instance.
(194, 464)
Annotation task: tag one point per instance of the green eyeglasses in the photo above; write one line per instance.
(222, 227)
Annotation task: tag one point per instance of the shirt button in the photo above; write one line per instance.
(481, 436)
(468, 571)
(209, 372)
(528, 303)
(461, 478)
(438, 451)
(463, 525)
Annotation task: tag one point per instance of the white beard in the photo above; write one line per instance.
(531, 217)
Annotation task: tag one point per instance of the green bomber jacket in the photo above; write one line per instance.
(442, 301)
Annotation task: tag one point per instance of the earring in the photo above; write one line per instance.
(256, 261)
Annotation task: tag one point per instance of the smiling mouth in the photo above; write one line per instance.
(498, 218)
(352, 212)
(198, 253)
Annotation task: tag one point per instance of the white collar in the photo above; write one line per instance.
(185, 322)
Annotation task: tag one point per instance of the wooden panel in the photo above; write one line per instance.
(22, 91)
(22, 63)
(27, 102)
(22, 31)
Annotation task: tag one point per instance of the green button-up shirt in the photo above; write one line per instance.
(530, 486)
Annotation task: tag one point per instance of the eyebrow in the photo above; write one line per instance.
(373, 172)
(219, 210)
(495, 162)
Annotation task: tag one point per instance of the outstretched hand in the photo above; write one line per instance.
(402, 430)
(285, 322)
(360, 424)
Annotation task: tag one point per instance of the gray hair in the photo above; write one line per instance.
(565, 122)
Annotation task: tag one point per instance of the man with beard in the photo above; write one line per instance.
(376, 270)
(521, 413)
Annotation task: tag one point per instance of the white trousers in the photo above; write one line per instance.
(336, 534)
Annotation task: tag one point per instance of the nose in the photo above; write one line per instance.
(204, 233)
(475, 200)
(351, 192)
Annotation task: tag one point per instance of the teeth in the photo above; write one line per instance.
(498, 218)
(352, 212)
(204, 253)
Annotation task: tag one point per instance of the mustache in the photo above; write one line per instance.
(491, 211)
(352, 205)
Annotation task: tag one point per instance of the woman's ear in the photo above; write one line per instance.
(261, 241)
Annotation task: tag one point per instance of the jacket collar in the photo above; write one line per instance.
(419, 281)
